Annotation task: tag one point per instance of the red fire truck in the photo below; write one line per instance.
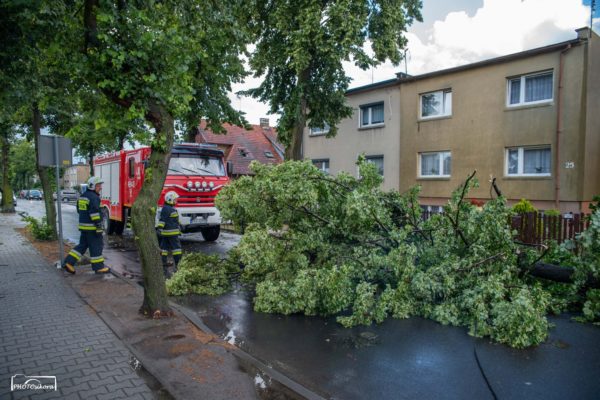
(197, 172)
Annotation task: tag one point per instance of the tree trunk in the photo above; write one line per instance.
(43, 173)
(144, 211)
(190, 137)
(7, 194)
(294, 150)
(558, 273)
(121, 140)
(91, 161)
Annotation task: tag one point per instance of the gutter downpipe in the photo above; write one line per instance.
(558, 130)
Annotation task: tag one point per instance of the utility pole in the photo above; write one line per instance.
(592, 10)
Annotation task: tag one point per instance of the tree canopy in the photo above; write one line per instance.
(300, 50)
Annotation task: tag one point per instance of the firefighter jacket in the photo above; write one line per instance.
(88, 207)
(168, 222)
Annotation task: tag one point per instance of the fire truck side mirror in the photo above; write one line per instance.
(229, 168)
(145, 163)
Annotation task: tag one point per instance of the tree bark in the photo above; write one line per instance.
(294, 150)
(7, 194)
(557, 273)
(121, 135)
(144, 211)
(191, 134)
(91, 161)
(43, 172)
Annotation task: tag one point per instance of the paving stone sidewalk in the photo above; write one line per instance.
(47, 330)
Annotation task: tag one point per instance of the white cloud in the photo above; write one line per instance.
(497, 28)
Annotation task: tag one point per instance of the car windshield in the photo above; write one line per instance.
(196, 166)
(35, 192)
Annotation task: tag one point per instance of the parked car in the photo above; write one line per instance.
(67, 195)
(34, 194)
(14, 198)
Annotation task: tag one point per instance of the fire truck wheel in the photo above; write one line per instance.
(107, 223)
(211, 234)
(119, 226)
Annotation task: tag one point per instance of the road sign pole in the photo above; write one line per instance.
(58, 203)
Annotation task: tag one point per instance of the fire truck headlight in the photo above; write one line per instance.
(211, 184)
(189, 184)
(204, 184)
(197, 184)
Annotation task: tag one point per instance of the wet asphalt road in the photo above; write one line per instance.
(407, 359)
(399, 359)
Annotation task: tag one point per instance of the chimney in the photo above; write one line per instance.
(264, 122)
(583, 33)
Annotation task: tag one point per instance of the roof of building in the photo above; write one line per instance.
(405, 78)
(242, 146)
(497, 60)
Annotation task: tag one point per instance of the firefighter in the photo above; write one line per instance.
(168, 231)
(90, 225)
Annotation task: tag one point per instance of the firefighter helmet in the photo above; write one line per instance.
(93, 181)
(170, 197)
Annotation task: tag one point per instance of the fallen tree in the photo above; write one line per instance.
(322, 245)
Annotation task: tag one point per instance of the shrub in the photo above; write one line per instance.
(523, 206)
(40, 229)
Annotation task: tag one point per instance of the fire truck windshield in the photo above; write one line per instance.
(196, 166)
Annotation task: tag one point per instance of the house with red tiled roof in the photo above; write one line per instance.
(242, 146)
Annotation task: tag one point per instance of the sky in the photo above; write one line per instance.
(460, 32)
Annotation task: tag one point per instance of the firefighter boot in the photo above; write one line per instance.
(69, 268)
(166, 271)
(103, 270)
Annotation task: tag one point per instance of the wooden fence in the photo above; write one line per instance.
(537, 228)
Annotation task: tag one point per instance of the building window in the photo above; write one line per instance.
(323, 165)
(436, 104)
(378, 161)
(371, 115)
(429, 210)
(435, 164)
(320, 131)
(528, 161)
(268, 154)
(533, 88)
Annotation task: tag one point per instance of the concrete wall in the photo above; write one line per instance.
(351, 141)
(481, 127)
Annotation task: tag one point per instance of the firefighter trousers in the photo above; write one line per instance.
(93, 241)
(170, 244)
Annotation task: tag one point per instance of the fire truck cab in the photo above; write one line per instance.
(197, 172)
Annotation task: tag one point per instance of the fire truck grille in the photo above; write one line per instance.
(202, 200)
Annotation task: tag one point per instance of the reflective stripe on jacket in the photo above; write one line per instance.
(168, 221)
(88, 207)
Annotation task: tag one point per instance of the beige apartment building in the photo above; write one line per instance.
(373, 130)
(530, 119)
(76, 175)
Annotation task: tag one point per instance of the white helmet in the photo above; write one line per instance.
(93, 181)
(170, 197)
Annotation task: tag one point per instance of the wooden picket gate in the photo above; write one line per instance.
(536, 228)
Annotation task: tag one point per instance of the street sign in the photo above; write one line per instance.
(47, 154)
(56, 151)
